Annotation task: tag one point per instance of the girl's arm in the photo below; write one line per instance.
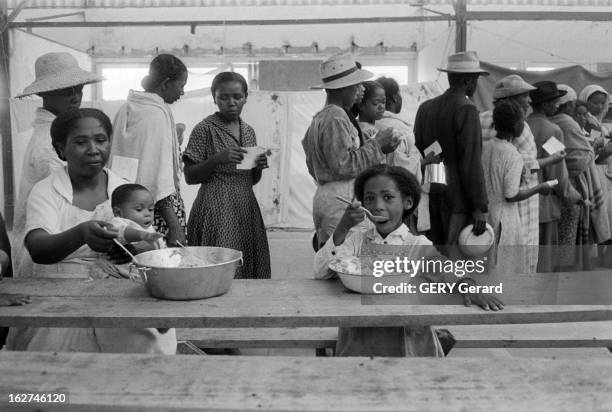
(339, 244)
(541, 188)
(196, 173)
(549, 160)
(175, 230)
(47, 249)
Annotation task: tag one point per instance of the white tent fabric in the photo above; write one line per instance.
(280, 120)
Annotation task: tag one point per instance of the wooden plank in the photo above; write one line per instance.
(229, 312)
(113, 382)
(299, 303)
(555, 335)
(260, 337)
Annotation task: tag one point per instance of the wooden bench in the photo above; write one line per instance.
(305, 338)
(113, 382)
(545, 335)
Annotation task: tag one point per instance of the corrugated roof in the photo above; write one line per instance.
(82, 4)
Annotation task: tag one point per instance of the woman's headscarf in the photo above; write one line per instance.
(588, 91)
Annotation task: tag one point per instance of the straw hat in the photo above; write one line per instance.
(570, 94)
(464, 62)
(545, 91)
(55, 71)
(341, 71)
(512, 85)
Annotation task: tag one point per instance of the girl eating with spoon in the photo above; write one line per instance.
(391, 193)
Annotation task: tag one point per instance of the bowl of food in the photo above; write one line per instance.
(357, 274)
(194, 272)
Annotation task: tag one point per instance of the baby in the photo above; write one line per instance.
(133, 209)
(133, 221)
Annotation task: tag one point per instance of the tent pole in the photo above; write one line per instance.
(5, 119)
(460, 7)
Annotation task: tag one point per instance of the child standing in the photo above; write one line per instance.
(393, 193)
(503, 165)
(371, 108)
(225, 212)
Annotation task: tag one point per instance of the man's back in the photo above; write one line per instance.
(452, 120)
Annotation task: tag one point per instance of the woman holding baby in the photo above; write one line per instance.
(67, 231)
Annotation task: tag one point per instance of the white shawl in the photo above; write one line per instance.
(145, 148)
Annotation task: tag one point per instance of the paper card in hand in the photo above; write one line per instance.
(250, 157)
(595, 134)
(553, 145)
(434, 147)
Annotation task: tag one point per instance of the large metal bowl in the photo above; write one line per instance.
(194, 272)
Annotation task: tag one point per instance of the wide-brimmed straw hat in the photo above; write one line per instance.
(55, 71)
(512, 85)
(545, 91)
(341, 70)
(570, 94)
(464, 62)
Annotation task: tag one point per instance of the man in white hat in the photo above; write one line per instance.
(452, 120)
(514, 89)
(335, 154)
(59, 82)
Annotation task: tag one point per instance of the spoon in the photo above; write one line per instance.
(367, 212)
(126, 251)
(195, 257)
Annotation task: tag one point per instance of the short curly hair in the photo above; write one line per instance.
(406, 182)
(65, 122)
(505, 116)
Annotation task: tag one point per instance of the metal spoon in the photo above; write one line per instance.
(367, 212)
(195, 257)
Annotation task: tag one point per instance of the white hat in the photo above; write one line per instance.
(473, 245)
(570, 96)
(341, 70)
(464, 62)
(511, 85)
(55, 71)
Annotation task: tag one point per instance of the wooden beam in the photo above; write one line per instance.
(14, 13)
(270, 22)
(5, 120)
(539, 15)
(473, 15)
(460, 7)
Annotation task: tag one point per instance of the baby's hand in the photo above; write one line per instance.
(484, 300)
(352, 216)
(151, 236)
(14, 300)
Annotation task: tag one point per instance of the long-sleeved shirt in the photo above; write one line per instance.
(452, 120)
(332, 147)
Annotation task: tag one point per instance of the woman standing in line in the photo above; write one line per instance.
(225, 212)
(145, 143)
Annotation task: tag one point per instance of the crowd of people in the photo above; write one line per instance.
(88, 182)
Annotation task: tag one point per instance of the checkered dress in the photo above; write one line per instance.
(528, 208)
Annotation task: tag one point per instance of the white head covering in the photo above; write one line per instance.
(588, 92)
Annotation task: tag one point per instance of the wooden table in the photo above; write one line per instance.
(297, 303)
(111, 382)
